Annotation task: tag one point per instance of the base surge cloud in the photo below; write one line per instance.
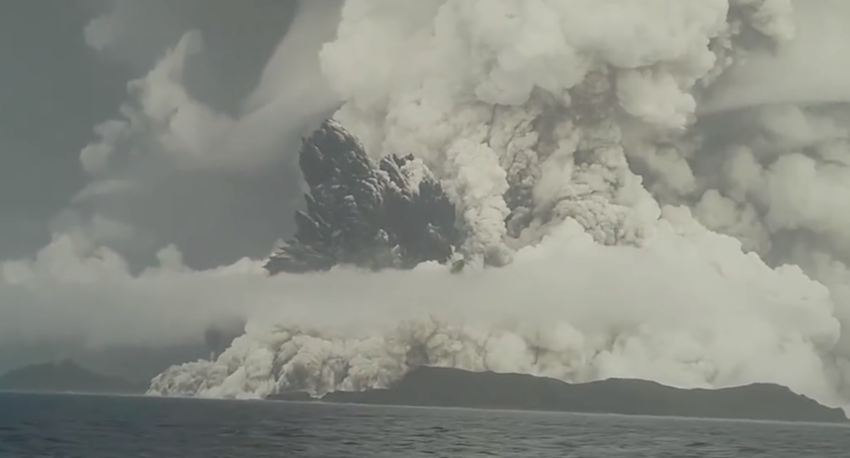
(627, 213)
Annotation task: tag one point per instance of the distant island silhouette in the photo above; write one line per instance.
(65, 377)
(442, 387)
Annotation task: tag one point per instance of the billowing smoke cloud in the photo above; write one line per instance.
(202, 153)
(813, 66)
(673, 316)
(634, 237)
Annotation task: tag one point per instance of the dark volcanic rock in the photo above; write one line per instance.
(393, 214)
(430, 386)
(65, 377)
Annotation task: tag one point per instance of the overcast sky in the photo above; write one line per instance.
(53, 90)
(66, 69)
(194, 71)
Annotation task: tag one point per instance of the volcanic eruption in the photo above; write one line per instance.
(629, 188)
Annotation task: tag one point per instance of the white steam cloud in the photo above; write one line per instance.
(674, 212)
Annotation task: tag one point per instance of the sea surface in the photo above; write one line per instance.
(69, 426)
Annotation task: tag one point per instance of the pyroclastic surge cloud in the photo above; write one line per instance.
(647, 188)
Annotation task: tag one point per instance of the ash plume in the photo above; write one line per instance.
(393, 214)
(624, 211)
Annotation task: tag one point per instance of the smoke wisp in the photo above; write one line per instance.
(202, 153)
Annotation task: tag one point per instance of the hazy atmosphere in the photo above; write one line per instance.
(67, 73)
(656, 192)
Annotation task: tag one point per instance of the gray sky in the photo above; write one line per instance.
(53, 89)
(66, 67)
(64, 73)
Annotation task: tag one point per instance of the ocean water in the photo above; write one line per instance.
(67, 426)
